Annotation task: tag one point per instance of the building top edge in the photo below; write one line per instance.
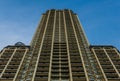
(17, 46)
(61, 10)
(102, 46)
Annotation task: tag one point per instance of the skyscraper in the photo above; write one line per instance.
(59, 51)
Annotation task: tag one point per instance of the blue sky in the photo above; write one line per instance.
(100, 19)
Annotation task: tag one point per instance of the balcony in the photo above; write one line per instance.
(77, 70)
(111, 75)
(114, 79)
(43, 69)
(79, 79)
(8, 75)
(6, 79)
(41, 74)
(41, 79)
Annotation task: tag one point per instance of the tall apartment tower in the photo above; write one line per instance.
(59, 51)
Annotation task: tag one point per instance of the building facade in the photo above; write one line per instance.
(59, 51)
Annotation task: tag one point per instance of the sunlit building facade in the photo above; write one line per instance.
(59, 51)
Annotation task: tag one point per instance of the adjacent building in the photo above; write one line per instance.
(59, 51)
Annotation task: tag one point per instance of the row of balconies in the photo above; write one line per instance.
(57, 60)
(6, 56)
(82, 74)
(43, 64)
(116, 59)
(14, 63)
(7, 75)
(16, 58)
(118, 70)
(73, 48)
(2, 66)
(74, 69)
(79, 79)
(109, 71)
(45, 54)
(45, 47)
(116, 63)
(113, 54)
(76, 65)
(60, 56)
(58, 76)
(60, 64)
(111, 75)
(43, 69)
(53, 67)
(105, 63)
(60, 50)
(111, 51)
(117, 66)
(60, 43)
(59, 47)
(41, 74)
(49, 50)
(6, 59)
(75, 54)
(43, 58)
(103, 59)
(99, 52)
(41, 78)
(7, 53)
(46, 61)
(10, 70)
(60, 53)
(9, 50)
(12, 66)
(1, 70)
(47, 38)
(19, 52)
(113, 79)
(75, 57)
(107, 66)
(47, 57)
(48, 46)
(3, 63)
(60, 70)
(101, 56)
(113, 57)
